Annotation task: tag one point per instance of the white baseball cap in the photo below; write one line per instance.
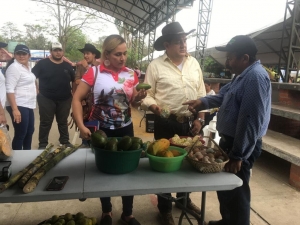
(56, 45)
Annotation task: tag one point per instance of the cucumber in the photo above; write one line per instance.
(143, 86)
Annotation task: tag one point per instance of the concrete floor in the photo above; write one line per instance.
(274, 201)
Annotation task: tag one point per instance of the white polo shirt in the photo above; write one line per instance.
(21, 81)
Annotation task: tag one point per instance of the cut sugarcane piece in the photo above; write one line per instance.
(34, 180)
(37, 166)
(18, 175)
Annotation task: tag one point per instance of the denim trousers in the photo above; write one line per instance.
(126, 200)
(167, 128)
(235, 204)
(49, 108)
(23, 130)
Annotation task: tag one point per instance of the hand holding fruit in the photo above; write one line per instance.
(140, 95)
(85, 133)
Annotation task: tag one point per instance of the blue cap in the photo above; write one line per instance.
(2, 44)
(22, 48)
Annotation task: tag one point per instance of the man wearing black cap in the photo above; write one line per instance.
(90, 54)
(55, 94)
(174, 77)
(2, 92)
(243, 118)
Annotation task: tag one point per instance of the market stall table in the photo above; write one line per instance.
(86, 181)
(72, 166)
(146, 181)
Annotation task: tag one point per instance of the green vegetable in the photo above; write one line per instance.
(143, 86)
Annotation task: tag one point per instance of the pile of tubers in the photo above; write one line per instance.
(207, 155)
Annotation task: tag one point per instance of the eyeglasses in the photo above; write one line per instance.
(181, 41)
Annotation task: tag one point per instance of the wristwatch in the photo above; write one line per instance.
(202, 121)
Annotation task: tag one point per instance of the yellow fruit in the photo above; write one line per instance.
(161, 153)
(175, 153)
(160, 145)
(167, 154)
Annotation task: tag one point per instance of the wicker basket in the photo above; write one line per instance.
(205, 167)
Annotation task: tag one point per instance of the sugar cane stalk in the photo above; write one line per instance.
(34, 180)
(37, 166)
(18, 175)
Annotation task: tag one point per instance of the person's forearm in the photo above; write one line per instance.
(12, 100)
(77, 113)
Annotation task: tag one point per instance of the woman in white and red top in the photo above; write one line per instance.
(114, 92)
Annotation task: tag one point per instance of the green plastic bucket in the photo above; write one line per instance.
(165, 164)
(117, 162)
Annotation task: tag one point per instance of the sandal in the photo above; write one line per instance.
(106, 220)
(132, 221)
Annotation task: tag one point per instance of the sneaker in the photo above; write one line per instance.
(67, 145)
(190, 205)
(132, 220)
(167, 219)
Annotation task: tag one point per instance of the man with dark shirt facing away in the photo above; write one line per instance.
(54, 98)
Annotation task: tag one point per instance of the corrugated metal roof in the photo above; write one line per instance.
(141, 15)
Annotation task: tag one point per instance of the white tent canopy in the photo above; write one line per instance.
(268, 42)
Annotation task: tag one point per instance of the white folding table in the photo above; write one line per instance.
(86, 181)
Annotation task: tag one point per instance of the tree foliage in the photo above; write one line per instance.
(69, 20)
(35, 36)
(211, 66)
(10, 32)
(76, 41)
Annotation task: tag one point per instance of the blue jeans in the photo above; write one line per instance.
(24, 130)
(235, 204)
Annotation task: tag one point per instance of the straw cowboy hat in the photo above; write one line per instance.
(91, 48)
(169, 31)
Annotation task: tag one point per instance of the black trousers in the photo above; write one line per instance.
(235, 204)
(126, 200)
(49, 108)
(167, 128)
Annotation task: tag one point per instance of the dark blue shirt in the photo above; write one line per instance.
(245, 107)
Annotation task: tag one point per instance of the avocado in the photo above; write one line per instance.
(135, 146)
(101, 132)
(137, 140)
(124, 143)
(98, 140)
(114, 139)
(112, 145)
(143, 86)
(146, 145)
